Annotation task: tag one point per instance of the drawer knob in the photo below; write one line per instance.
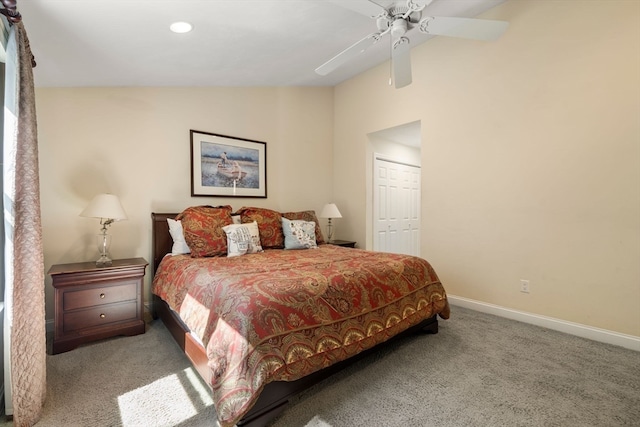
(102, 296)
(102, 315)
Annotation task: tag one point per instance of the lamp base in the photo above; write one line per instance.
(104, 242)
(329, 230)
(104, 261)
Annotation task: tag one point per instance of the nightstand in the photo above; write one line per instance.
(93, 303)
(343, 243)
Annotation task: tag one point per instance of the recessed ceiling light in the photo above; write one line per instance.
(180, 27)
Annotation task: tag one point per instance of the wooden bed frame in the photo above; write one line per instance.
(276, 395)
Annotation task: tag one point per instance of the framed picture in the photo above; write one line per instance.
(225, 166)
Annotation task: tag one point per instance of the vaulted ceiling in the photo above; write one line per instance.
(233, 43)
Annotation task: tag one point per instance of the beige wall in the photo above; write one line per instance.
(530, 159)
(134, 142)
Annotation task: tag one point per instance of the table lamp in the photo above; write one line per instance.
(330, 211)
(108, 208)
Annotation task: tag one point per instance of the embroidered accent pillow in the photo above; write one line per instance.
(307, 216)
(242, 239)
(202, 227)
(269, 225)
(299, 234)
(179, 244)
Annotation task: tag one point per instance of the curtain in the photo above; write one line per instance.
(24, 264)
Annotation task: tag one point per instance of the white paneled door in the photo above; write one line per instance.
(396, 207)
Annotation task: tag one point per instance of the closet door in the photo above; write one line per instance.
(396, 207)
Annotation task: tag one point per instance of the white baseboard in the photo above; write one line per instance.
(602, 335)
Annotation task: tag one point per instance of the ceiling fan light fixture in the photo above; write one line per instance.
(382, 22)
(180, 27)
(398, 28)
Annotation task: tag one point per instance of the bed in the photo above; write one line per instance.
(255, 367)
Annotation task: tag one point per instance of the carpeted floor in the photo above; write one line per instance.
(479, 370)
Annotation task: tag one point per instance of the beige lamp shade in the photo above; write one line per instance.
(330, 210)
(105, 206)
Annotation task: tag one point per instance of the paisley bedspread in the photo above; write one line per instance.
(282, 314)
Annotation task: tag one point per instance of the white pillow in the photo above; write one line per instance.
(299, 234)
(179, 244)
(242, 239)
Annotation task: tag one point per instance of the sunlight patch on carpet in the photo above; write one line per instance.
(316, 421)
(149, 405)
(203, 392)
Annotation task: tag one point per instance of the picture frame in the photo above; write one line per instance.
(227, 166)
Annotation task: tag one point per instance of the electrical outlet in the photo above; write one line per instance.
(524, 286)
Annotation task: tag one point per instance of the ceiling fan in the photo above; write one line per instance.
(397, 20)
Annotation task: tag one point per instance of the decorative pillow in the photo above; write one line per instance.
(179, 244)
(299, 234)
(269, 224)
(236, 218)
(202, 227)
(307, 216)
(242, 239)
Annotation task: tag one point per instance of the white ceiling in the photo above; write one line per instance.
(233, 43)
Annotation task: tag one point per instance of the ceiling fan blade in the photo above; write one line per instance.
(401, 58)
(348, 54)
(468, 28)
(363, 7)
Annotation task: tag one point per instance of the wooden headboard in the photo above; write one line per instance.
(161, 241)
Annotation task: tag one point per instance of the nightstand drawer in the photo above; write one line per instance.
(99, 316)
(125, 291)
